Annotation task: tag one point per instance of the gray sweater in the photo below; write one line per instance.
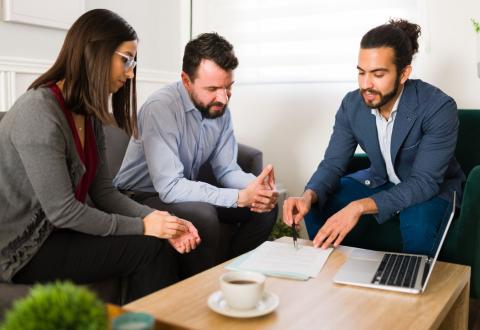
(39, 170)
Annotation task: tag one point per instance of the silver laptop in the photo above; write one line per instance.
(391, 271)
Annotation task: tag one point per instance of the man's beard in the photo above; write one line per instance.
(384, 99)
(206, 110)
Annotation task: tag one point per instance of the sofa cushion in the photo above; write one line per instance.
(116, 143)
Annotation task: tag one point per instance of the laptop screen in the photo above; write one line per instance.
(438, 245)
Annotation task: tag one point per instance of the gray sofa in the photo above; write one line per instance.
(250, 159)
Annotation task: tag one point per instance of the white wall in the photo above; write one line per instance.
(451, 61)
(162, 27)
(28, 41)
(292, 123)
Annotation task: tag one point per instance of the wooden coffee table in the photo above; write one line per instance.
(319, 303)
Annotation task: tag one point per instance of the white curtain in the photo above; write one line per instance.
(280, 41)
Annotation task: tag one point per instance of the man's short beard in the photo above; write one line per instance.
(210, 114)
(205, 110)
(384, 99)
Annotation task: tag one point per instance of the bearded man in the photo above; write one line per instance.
(408, 129)
(181, 127)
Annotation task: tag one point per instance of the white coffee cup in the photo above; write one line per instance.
(242, 289)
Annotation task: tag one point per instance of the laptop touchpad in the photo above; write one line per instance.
(357, 270)
(366, 255)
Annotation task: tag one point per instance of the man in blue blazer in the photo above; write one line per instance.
(407, 128)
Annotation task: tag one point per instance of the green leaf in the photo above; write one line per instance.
(280, 229)
(476, 25)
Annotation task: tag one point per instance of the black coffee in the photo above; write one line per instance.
(241, 282)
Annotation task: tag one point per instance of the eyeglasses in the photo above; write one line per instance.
(128, 61)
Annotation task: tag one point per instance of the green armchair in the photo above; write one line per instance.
(462, 244)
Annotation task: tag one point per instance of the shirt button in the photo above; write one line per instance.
(367, 182)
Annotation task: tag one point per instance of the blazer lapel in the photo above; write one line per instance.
(405, 118)
(368, 127)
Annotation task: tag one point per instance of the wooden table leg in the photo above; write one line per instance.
(457, 317)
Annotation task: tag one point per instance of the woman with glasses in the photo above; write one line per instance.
(53, 156)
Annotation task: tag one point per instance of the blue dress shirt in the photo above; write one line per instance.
(174, 142)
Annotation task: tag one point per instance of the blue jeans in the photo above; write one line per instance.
(419, 224)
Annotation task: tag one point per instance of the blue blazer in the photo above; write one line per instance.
(422, 150)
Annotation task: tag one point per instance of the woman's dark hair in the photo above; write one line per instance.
(209, 46)
(85, 61)
(400, 35)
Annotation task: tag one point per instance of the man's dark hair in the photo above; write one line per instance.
(85, 61)
(400, 35)
(208, 46)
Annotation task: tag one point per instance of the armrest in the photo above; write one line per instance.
(116, 143)
(358, 162)
(249, 159)
(468, 240)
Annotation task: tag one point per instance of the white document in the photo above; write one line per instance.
(283, 260)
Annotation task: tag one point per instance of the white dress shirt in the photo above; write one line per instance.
(384, 131)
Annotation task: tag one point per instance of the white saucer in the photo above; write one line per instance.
(268, 303)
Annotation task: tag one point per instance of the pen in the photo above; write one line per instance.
(294, 235)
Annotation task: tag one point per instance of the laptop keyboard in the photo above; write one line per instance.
(397, 270)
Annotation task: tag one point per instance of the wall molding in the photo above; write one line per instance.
(10, 67)
(38, 66)
(7, 90)
(37, 13)
(23, 65)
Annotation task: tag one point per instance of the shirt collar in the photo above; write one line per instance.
(186, 100)
(376, 113)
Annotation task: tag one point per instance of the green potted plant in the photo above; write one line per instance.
(476, 27)
(280, 229)
(59, 305)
